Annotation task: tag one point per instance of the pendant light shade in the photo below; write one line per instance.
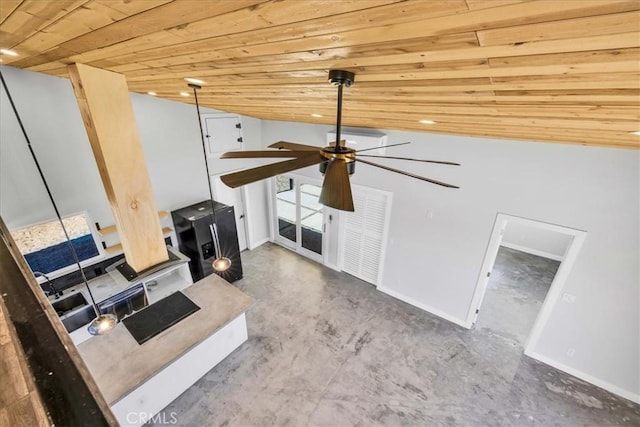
(221, 263)
(102, 324)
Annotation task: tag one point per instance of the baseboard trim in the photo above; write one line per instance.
(422, 306)
(259, 243)
(531, 251)
(586, 377)
(333, 267)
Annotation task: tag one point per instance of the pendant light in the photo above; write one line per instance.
(103, 322)
(220, 263)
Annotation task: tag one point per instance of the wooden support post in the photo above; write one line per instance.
(103, 98)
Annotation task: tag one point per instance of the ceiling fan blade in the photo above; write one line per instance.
(384, 146)
(251, 154)
(336, 189)
(413, 160)
(247, 176)
(293, 146)
(433, 181)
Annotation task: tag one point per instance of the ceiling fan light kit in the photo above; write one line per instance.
(336, 162)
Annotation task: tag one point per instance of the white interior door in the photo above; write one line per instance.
(222, 132)
(299, 216)
(233, 197)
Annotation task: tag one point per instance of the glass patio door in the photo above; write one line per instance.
(299, 216)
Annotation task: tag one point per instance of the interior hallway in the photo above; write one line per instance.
(328, 349)
(517, 288)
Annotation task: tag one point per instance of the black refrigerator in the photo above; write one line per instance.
(192, 226)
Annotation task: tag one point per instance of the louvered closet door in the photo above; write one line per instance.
(364, 234)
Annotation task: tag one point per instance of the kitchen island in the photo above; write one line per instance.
(139, 380)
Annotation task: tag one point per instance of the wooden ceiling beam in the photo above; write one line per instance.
(103, 98)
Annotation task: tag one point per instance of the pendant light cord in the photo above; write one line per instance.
(46, 186)
(214, 228)
(204, 148)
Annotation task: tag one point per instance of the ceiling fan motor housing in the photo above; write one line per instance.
(351, 167)
(337, 77)
(346, 154)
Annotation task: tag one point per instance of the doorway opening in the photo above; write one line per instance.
(518, 284)
(523, 275)
(299, 216)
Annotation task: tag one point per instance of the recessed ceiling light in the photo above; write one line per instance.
(427, 122)
(191, 80)
(316, 115)
(8, 52)
(185, 93)
(151, 93)
(635, 132)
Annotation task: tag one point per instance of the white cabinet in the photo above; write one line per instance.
(167, 282)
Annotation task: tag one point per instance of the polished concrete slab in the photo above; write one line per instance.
(517, 288)
(326, 349)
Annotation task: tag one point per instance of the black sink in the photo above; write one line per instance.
(69, 304)
(78, 319)
(74, 311)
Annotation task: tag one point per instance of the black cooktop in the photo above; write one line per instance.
(152, 320)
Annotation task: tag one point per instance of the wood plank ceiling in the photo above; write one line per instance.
(558, 71)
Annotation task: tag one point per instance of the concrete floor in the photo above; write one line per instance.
(517, 287)
(328, 349)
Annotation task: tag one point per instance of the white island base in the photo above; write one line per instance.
(156, 393)
(139, 381)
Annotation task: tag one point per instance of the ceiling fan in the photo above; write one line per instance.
(337, 161)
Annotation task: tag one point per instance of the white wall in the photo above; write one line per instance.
(436, 262)
(170, 138)
(51, 117)
(257, 193)
(545, 243)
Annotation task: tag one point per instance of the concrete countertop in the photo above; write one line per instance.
(119, 364)
(107, 285)
(102, 287)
